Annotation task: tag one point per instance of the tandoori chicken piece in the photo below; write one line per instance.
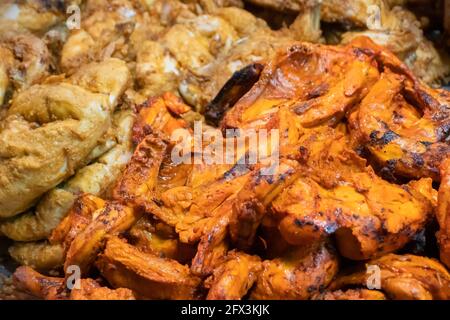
(113, 219)
(297, 275)
(147, 275)
(443, 213)
(79, 217)
(404, 125)
(254, 198)
(38, 285)
(136, 187)
(318, 84)
(402, 277)
(53, 288)
(234, 278)
(338, 194)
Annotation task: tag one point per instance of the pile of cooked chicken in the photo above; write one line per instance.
(88, 178)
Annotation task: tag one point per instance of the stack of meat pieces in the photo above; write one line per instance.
(361, 144)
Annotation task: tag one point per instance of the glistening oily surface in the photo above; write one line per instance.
(124, 136)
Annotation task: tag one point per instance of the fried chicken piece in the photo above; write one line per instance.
(36, 16)
(25, 60)
(150, 277)
(75, 120)
(234, 278)
(351, 12)
(38, 285)
(95, 179)
(443, 213)
(105, 29)
(298, 275)
(403, 277)
(399, 31)
(404, 126)
(91, 290)
(351, 294)
(111, 220)
(338, 194)
(38, 255)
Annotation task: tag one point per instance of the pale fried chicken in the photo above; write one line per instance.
(50, 129)
(37, 16)
(96, 179)
(25, 60)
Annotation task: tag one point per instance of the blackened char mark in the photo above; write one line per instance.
(239, 84)
(386, 138)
